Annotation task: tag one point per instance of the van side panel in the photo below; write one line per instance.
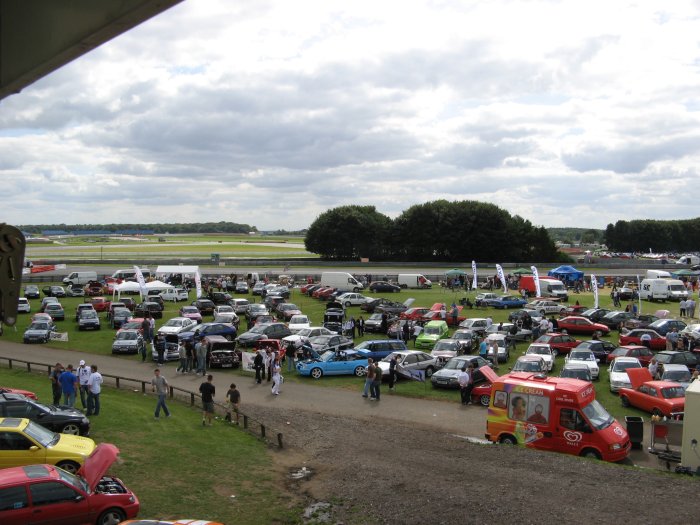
(413, 280)
(654, 289)
(342, 281)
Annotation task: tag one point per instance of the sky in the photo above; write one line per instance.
(567, 113)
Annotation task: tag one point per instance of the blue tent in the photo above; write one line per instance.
(566, 274)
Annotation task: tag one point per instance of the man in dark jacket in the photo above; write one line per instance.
(259, 365)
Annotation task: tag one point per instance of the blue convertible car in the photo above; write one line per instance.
(345, 362)
(506, 301)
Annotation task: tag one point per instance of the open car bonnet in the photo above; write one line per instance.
(638, 376)
(408, 302)
(98, 463)
(490, 375)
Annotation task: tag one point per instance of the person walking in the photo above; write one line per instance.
(54, 376)
(208, 391)
(189, 348)
(94, 390)
(234, 401)
(269, 361)
(182, 354)
(393, 363)
(160, 386)
(463, 381)
(83, 373)
(259, 366)
(69, 386)
(369, 377)
(289, 356)
(276, 376)
(147, 335)
(376, 384)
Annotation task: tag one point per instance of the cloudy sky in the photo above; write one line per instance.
(568, 113)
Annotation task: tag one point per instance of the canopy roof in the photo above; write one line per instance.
(176, 269)
(566, 273)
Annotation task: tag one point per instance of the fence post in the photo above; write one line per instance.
(262, 431)
(143, 387)
(191, 399)
(279, 439)
(9, 364)
(245, 421)
(171, 391)
(117, 380)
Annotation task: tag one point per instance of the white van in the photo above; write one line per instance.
(553, 288)
(689, 259)
(413, 280)
(343, 281)
(676, 290)
(658, 274)
(79, 278)
(130, 274)
(654, 290)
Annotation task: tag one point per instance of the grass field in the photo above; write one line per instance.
(178, 468)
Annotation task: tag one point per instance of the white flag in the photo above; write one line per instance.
(502, 277)
(594, 285)
(474, 283)
(140, 280)
(198, 284)
(536, 279)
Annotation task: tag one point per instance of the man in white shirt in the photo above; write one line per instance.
(463, 379)
(83, 374)
(94, 390)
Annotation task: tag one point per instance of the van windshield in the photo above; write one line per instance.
(557, 287)
(597, 416)
(677, 288)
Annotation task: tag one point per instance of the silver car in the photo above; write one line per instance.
(410, 361)
(446, 377)
(88, 320)
(127, 342)
(39, 332)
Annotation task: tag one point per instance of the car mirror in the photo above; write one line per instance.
(78, 498)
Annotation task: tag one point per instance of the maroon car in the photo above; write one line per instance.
(640, 352)
(634, 337)
(560, 344)
(580, 325)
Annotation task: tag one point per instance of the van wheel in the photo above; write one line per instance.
(555, 352)
(625, 402)
(69, 466)
(355, 289)
(69, 284)
(485, 400)
(111, 517)
(508, 440)
(360, 371)
(317, 373)
(590, 454)
(598, 333)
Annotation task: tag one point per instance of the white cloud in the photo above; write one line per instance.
(565, 113)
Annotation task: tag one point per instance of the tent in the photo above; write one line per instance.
(522, 271)
(183, 270)
(126, 286)
(566, 274)
(455, 272)
(157, 285)
(685, 273)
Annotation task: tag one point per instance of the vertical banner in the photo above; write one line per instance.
(474, 283)
(536, 279)
(502, 277)
(639, 296)
(140, 280)
(198, 284)
(594, 285)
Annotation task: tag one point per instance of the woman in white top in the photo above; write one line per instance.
(276, 377)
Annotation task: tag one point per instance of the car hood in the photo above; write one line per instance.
(638, 376)
(490, 375)
(447, 373)
(98, 463)
(169, 329)
(125, 342)
(620, 376)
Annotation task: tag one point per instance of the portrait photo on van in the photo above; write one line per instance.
(500, 399)
(528, 407)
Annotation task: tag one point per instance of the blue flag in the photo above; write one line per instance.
(418, 375)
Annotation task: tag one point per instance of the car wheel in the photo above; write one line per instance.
(598, 333)
(317, 373)
(555, 352)
(590, 453)
(625, 401)
(69, 466)
(484, 400)
(508, 440)
(111, 517)
(347, 303)
(355, 289)
(542, 313)
(360, 371)
(71, 428)
(429, 371)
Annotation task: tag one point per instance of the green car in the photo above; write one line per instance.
(431, 334)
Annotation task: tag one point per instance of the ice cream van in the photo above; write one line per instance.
(552, 413)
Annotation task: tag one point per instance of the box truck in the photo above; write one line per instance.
(342, 281)
(552, 413)
(413, 280)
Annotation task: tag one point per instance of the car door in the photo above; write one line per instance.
(15, 450)
(14, 505)
(55, 503)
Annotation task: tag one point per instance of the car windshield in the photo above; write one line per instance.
(462, 334)
(446, 346)
(127, 336)
(321, 339)
(39, 326)
(173, 322)
(73, 480)
(682, 376)
(222, 309)
(582, 356)
(299, 319)
(41, 434)
(327, 356)
(527, 366)
(597, 415)
(89, 314)
(432, 330)
(456, 364)
(664, 358)
(189, 310)
(576, 373)
(671, 392)
(621, 366)
(540, 350)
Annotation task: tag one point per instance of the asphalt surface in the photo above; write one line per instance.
(467, 421)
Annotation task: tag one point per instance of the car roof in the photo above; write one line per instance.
(14, 475)
(13, 422)
(675, 366)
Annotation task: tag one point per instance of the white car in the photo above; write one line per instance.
(305, 334)
(503, 349)
(475, 324)
(298, 322)
(678, 374)
(23, 305)
(178, 294)
(353, 299)
(618, 372)
(240, 306)
(408, 361)
(544, 351)
(545, 307)
(585, 357)
(176, 325)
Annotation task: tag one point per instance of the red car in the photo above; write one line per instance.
(634, 337)
(414, 313)
(306, 287)
(60, 497)
(100, 304)
(191, 312)
(25, 393)
(575, 309)
(640, 352)
(656, 397)
(325, 294)
(580, 325)
(559, 343)
(435, 316)
(93, 288)
(316, 293)
(481, 394)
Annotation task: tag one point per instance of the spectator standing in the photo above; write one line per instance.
(369, 377)
(182, 354)
(376, 384)
(455, 314)
(690, 308)
(54, 376)
(417, 329)
(208, 391)
(393, 363)
(463, 380)
(672, 339)
(259, 366)
(269, 361)
(160, 386)
(83, 376)
(405, 332)
(201, 354)
(289, 356)
(69, 386)
(234, 401)
(159, 343)
(151, 327)
(682, 307)
(189, 348)
(94, 391)
(653, 368)
(147, 335)
(443, 312)
(360, 327)
(276, 376)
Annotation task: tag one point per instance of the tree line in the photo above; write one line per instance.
(448, 231)
(657, 236)
(193, 227)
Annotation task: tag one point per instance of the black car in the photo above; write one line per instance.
(205, 306)
(468, 340)
(263, 331)
(241, 287)
(53, 291)
(600, 349)
(576, 371)
(391, 308)
(613, 319)
(31, 291)
(59, 419)
(311, 289)
(153, 309)
(336, 343)
(255, 310)
(664, 326)
(641, 321)
(669, 357)
(595, 314)
(384, 286)
(220, 298)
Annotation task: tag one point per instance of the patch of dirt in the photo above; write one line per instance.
(373, 470)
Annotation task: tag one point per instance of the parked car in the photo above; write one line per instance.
(670, 357)
(305, 334)
(393, 309)
(205, 306)
(33, 444)
(88, 320)
(39, 332)
(373, 324)
(46, 301)
(383, 286)
(506, 301)
(191, 312)
(343, 362)
(661, 398)
(286, 311)
(444, 350)
(100, 304)
(298, 322)
(482, 298)
(10, 390)
(255, 310)
(641, 321)
(93, 288)
(410, 361)
(227, 331)
(119, 317)
(258, 287)
(432, 315)
(221, 353)
(352, 299)
(642, 353)
(63, 419)
(378, 349)
(576, 371)
(128, 342)
(522, 316)
(503, 348)
(595, 314)
(677, 373)
(581, 325)
(335, 343)
(585, 357)
(475, 324)
(601, 349)
(75, 291)
(544, 351)
(263, 331)
(664, 326)
(23, 306)
(431, 334)
(468, 340)
(618, 372)
(175, 295)
(91, 497)
(31, 291)
(176, 325)
(531, 363)
(241, 287)
(561, 344)
(148, 308)
(634, 337)
(53, 291)
(446, 377)
(240, 306)
(56, 311)
(512, 334)
(81, 308)
(545, 307)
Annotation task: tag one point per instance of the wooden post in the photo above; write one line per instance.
(279, 439)
(9, 364)
(191, 399)
(143, 387)
(245, 421)
(117, 380)
(262, 431)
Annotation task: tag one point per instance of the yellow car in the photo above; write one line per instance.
(23, 442)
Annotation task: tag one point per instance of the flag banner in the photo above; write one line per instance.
(247, 362)
(474, 283)
(502, 277)
(140, 280)
(58, 336)
(417, 375)
(594, 285)
(198, 284)
(536, 279)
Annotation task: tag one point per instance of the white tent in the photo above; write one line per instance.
(157, 285)
(176, 270)
(126, 286)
